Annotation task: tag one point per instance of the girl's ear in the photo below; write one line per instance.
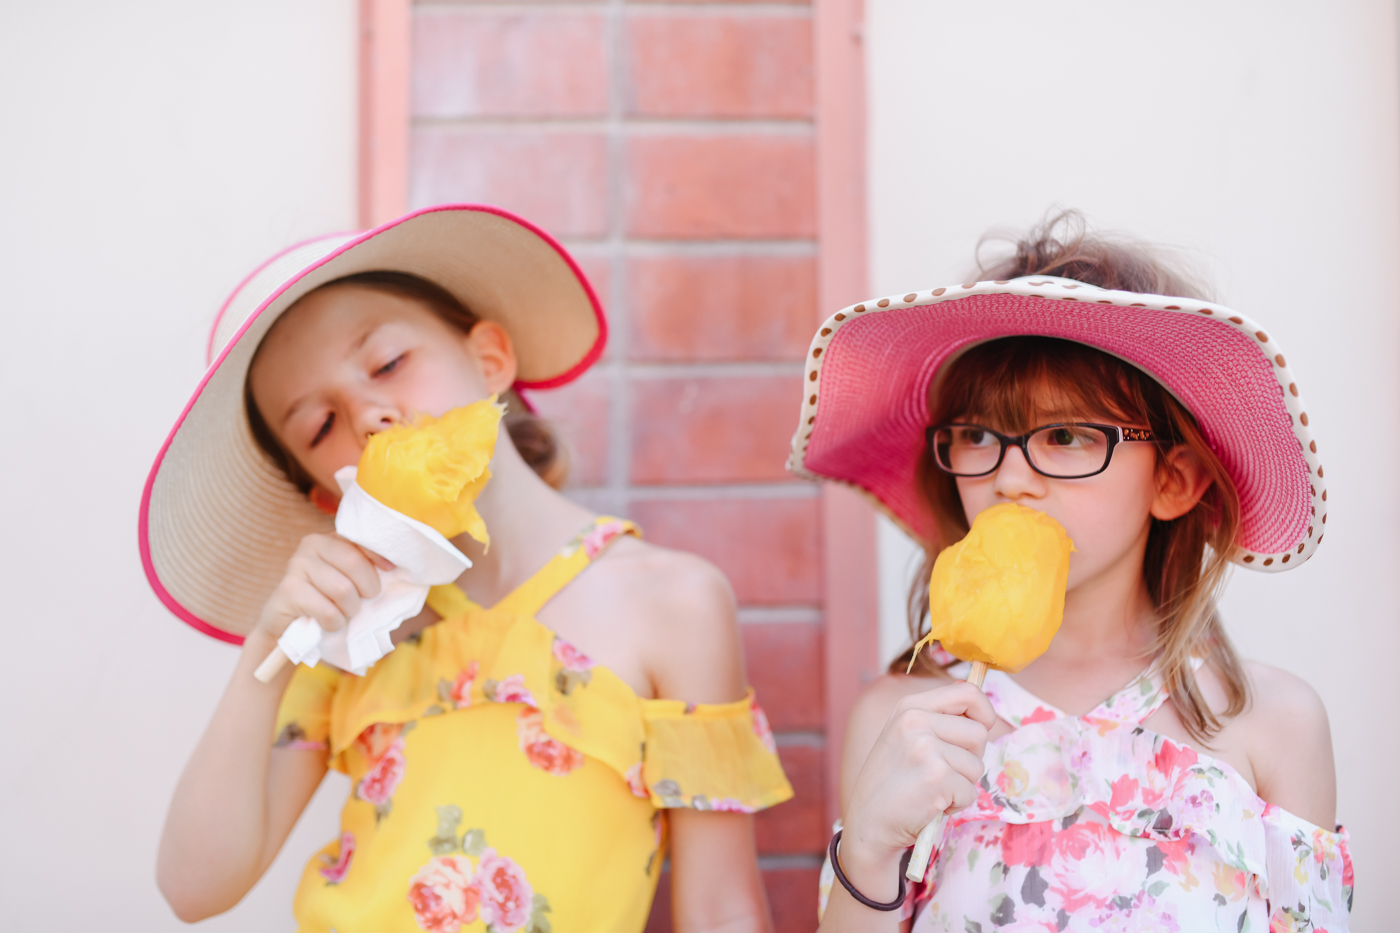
(1181, 481)
(490, 344)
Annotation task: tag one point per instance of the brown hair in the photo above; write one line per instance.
(532, 436)
(1003, 380)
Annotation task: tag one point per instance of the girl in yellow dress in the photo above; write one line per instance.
(541, 738)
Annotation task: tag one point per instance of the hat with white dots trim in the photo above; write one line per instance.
(869, 368)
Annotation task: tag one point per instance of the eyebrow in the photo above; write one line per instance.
(353, 348)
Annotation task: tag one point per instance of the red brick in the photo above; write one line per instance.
(792, 897)
(769, 548)
(557, 180)
(712, 430)
(721, 307)
(784, 661)
(720, 66)
(797, 827)
(698, 187)
(579, 413)
(468, 64)
(660, 919)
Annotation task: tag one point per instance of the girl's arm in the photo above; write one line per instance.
(697, 655)
(239, 797)
(926, 757)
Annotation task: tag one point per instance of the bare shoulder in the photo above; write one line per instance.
(1289, 742)
(681, 608)
(1283, 705)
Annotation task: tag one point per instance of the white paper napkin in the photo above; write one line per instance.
(422, 558)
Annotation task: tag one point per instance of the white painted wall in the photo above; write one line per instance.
(154, 151)
(1264, 137)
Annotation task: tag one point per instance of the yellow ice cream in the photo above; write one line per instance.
(433, 469)
(998, 595)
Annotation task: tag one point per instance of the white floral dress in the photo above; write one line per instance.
(1095, 823)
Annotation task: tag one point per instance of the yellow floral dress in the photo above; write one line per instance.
(502, 781)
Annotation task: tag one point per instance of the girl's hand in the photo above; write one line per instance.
(326, 579)
(927, 760)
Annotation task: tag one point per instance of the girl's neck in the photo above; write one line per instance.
(528, 521)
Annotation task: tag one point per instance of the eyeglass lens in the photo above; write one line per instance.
(1063, 450)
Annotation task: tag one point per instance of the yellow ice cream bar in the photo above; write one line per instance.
(998, 595)
(433, 469)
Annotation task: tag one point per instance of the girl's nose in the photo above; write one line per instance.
(370, 419)
(1015, 479)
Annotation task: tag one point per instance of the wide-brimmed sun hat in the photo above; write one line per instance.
(218, 520)
(866, 394)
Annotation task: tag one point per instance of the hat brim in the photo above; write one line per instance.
(870, 366)
(218, 521)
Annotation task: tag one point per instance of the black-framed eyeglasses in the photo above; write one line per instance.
(1072, 450)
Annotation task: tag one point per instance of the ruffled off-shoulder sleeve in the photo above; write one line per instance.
(711, 757)
(303, 719)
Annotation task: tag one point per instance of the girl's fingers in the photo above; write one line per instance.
(352, 561)
(306, 600)
(968, 766)
(959, 699)
(336, 587)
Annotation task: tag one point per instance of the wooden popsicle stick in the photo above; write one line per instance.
(933, 832)
(273, 663)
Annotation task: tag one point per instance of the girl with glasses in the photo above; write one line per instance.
(1139, 774)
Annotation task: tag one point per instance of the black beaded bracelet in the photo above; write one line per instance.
(895, 904)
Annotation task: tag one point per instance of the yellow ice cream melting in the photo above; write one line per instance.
(998, 595)
(433, 469)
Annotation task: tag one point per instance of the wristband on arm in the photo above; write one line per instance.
(895, 904)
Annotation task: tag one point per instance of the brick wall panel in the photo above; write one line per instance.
(720, 66)
(687, 308)
(713, 430)
(535, 64)
(769, 548)
(557, 180)
(797, 827)
(738, 186)
(792, 896)
(784, 662)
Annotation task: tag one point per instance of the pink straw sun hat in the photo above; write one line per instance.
(218, 521)
(870, 366)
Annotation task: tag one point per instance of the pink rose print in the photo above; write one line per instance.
(635, 782)
(375, 740)
(1125, 791)
(444, 894)
(729, 805)
(543, 751)
(383, 779)
(335, 872)
(461, 692)
(1172, 756)
(1026, 843)
(1039, 714)
(512, 689)
(598, 538)
(569, 656)
(762, 729)
(506, 897)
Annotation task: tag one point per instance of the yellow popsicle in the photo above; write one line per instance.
(998, 595)
(433, 469)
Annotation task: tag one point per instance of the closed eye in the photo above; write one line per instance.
(391, 365)
(325, 429)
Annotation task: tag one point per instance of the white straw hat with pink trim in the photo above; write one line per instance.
(869, 368)
(218, 520)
